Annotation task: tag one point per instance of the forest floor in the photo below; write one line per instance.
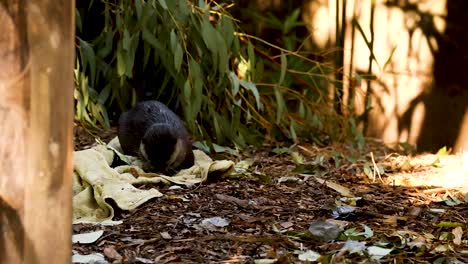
(302, 204)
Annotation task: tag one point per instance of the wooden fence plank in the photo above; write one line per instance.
(36, 119)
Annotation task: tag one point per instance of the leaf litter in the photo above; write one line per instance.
(300, 204)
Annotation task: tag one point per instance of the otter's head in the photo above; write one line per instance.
(166, 149)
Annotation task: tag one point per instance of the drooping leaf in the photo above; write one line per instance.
(138, 8)
(163, 4)
(107, 48)
(235, 83)
(284, 65)
(178, 56)
(104, 94)
(226, 28)
(280, 104)
(88, 59)
(126, 40)
(121, 62)
(252, 88)
(252, 59)
(78, 23)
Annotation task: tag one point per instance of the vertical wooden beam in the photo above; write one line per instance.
(36, 118)
(14, 81)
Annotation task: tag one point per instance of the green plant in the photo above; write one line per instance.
(177, 51)
(292, 83)
(89, 108)
(230, 87)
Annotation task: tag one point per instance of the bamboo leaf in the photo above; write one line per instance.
(84, 90)
(236, 117)
(118, 20)
(209, 38)
(88, 59)
(163, 4)
(102, 113)
(222, 53)
(131, 52)
(173, 39)
(217, 128)
(148, 36)
(79, 108)
(120, 62)
(187, 91)
(280, 104)
(93, 95)
(235, 83)
(146, 54)
(197, 80)
(195, 70)
(251, 87)
(138, 8)
(389, 59)
(85, 115)
(171, 6)
(292, 131)
(178, 56)
(290, 21)
(259, 71)
(126, 40)
(302, 110)
(183, 10)
(78, 23)
(107, 49)
(104, 94)
(226, 28)
(284, 65)
(226, 129)
(201, 4)
(251, 54)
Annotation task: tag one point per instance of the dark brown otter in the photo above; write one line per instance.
(153, 132)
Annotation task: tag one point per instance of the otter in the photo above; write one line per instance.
(153, 132)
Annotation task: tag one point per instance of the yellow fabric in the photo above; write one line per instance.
(95, 183)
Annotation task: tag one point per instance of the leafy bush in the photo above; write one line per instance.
(192, 56)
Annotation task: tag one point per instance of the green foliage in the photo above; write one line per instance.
(230, 87)
(177, 51)
(293, 85)
(90, 108)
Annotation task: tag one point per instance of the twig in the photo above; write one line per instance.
(376, 169)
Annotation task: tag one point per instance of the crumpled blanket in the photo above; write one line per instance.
(97, 186)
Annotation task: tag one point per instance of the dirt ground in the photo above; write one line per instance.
(305, 204)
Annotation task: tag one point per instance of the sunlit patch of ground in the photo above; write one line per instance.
(448, 171)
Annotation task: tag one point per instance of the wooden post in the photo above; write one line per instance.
(36, 121)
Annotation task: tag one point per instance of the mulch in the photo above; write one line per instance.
(271, 206)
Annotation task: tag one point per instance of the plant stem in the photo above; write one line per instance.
(369, 70)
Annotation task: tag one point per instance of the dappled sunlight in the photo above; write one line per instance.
(462, 140)
(450, 171)
(307, 121)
